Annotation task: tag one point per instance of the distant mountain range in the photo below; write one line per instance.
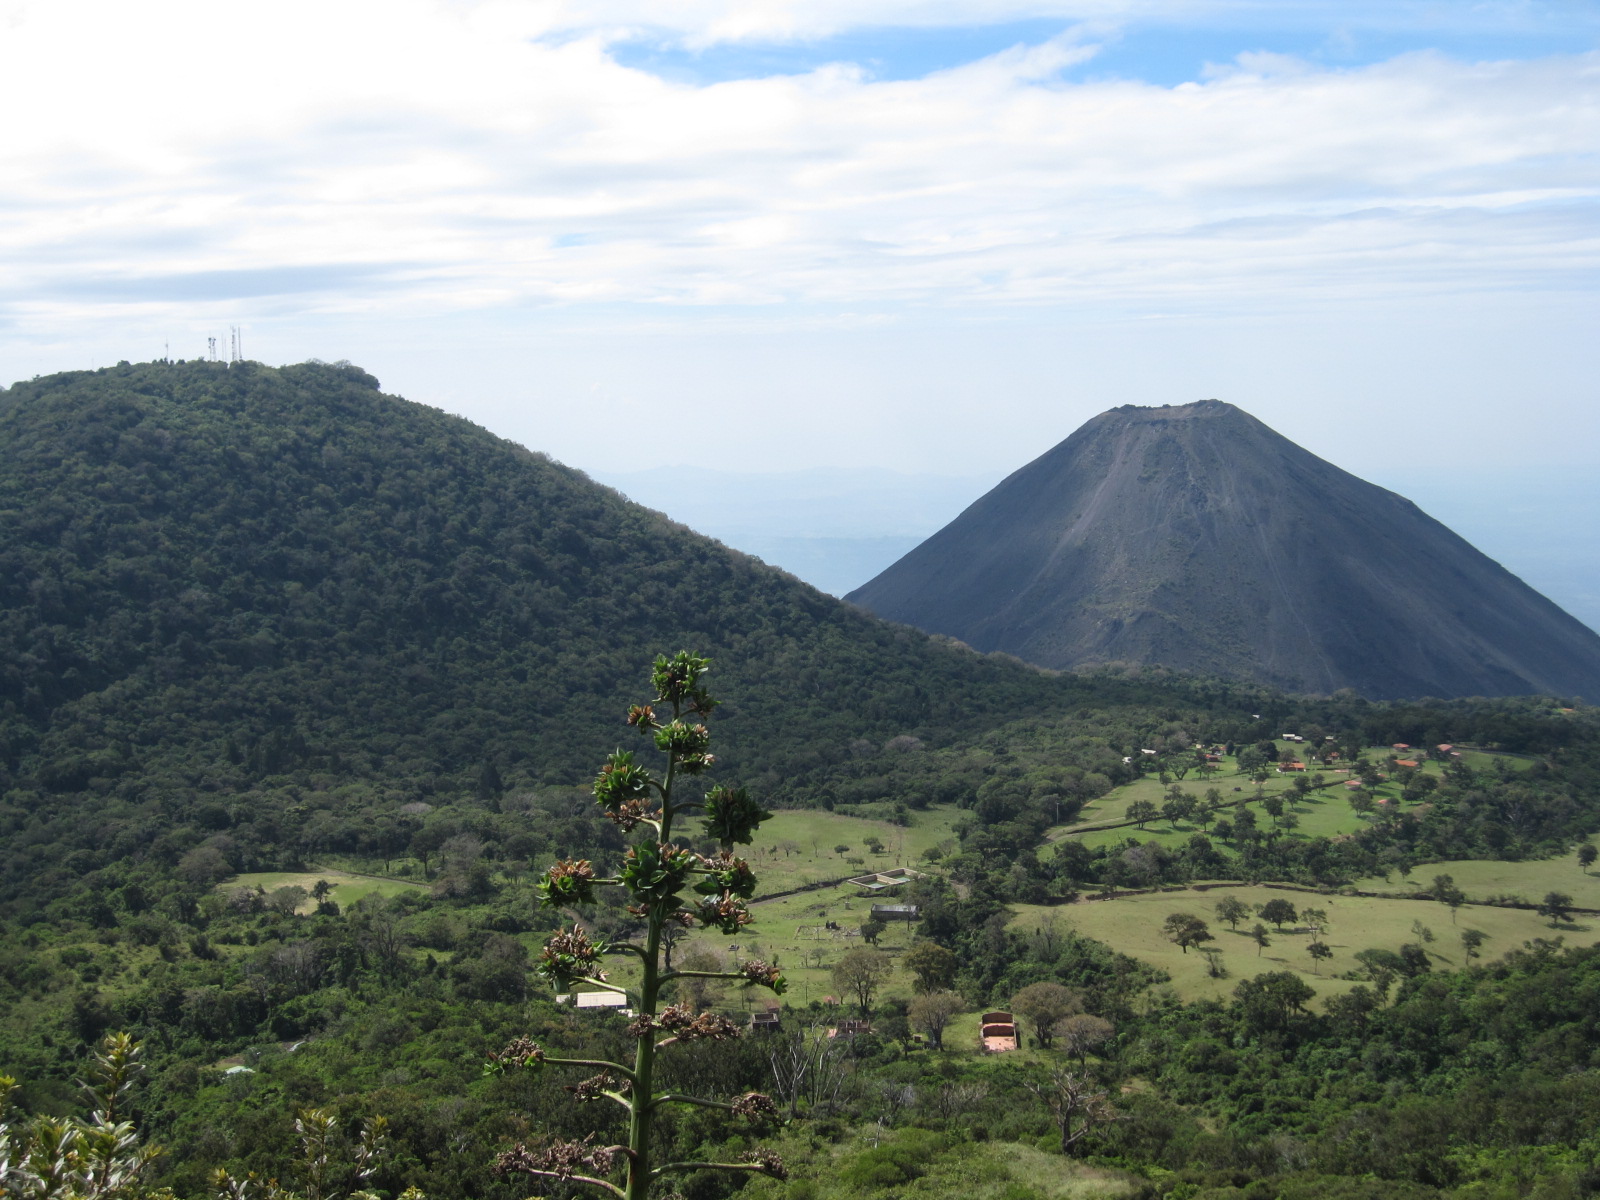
(1197, 538)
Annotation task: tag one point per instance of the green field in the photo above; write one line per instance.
(1480, 879)
(796, 848)
(347, 888)
(1325, 812)
(1132, 924)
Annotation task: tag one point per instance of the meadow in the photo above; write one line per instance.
(797, 849)
(1323, 812)
(1482, 879)
(1133, 925)
(347, 887)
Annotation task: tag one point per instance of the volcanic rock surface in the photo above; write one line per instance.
(1195, 537)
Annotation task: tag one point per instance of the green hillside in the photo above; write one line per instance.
(231, 591)
(263, 631)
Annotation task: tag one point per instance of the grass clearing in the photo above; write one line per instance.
(799, 846)
(1324, 812)
(1133, 925)
(347, 887)
(1481, 879)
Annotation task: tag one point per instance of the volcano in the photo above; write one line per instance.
(1196, 538)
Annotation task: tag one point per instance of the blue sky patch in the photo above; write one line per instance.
(1162, 55)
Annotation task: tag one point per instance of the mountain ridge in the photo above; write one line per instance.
(221, 578)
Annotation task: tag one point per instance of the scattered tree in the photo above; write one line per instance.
(1259, 936)
(1185, 930)
(1279, 912)
(1586, 856)
(1471, 939)
(1082, 1033)
(1141, 811)
(1557, 906)
(1318, 952)
(1232, 910)
(1078, 1106)
(1042, 1005)
(1270, 1000)
(872, 929)
(932, 1012)
(860, 973)
(932, 967)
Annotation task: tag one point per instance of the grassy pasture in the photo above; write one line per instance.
(347, 888)
(1325, 812)
(1480, 879)
(796, 848)
(1132, 924)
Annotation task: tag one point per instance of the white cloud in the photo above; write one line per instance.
(487, 168)
(370, 176)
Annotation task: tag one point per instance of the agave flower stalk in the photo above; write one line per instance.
(668, 885)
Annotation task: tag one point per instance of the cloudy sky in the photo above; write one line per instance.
(930, 236)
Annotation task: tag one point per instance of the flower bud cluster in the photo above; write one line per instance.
(765, 974)
(768, 1163)
(563, 1159)
(752, 1106)
(518, 1052)
(687, 1026)
(592, 1088)
(570, 881)
(571, 955)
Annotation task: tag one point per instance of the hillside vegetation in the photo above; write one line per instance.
(303, 688)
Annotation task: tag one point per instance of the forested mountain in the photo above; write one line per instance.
(1195, 537)
(226, 589)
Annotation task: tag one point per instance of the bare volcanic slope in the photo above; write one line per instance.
(1195, 537)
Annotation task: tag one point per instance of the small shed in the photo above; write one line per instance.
(997, 1032)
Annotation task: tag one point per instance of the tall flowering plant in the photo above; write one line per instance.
(668, 885)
